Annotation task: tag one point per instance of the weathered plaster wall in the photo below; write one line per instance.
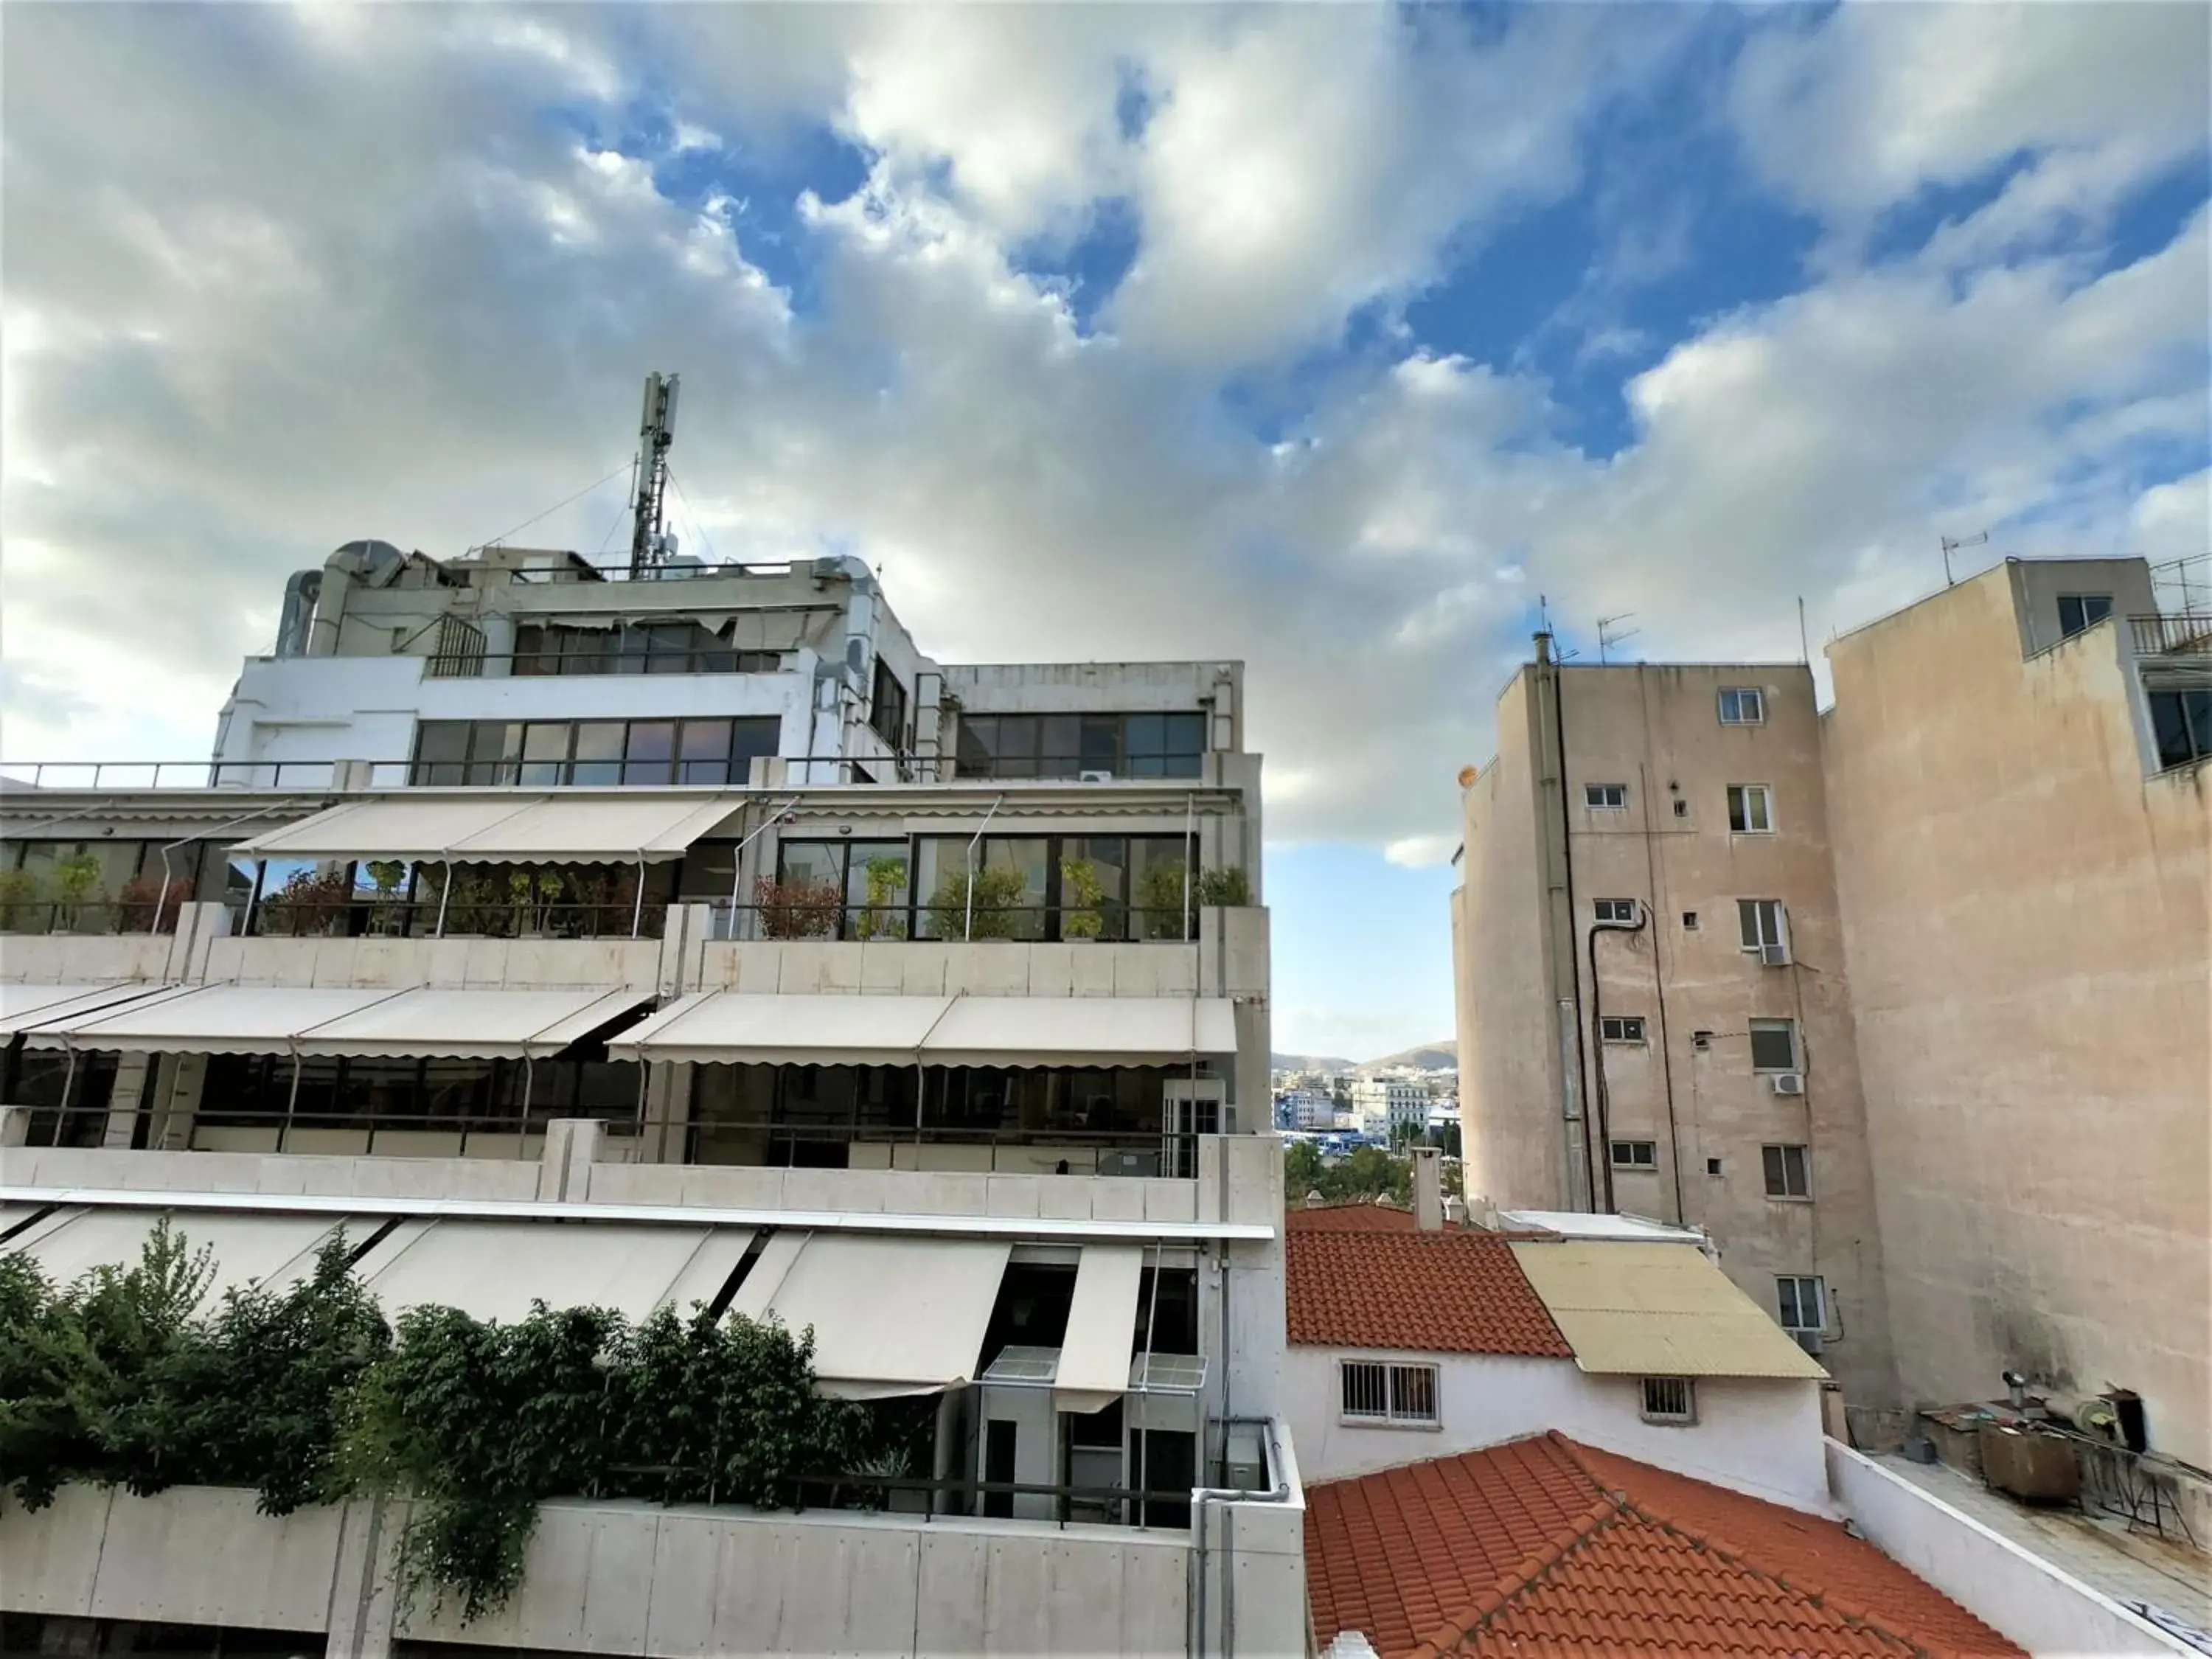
(2026, 932)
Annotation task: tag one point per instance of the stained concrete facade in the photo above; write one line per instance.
(2025, 904)
(1551, 1082)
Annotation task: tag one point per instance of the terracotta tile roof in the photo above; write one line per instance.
(1447, 1292)
(1348, 1217)
(1546, 1547)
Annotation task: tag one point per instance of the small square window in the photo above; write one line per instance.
(1788, 1173)
(1690, 921)
(1669, 1400)
(1621, 1028)
(1801, 1301)
(1750, 809)
(1681, 809)
(1743, 705)
(1635, 1154)
(1609, 797)
(2077, 611)
(1616, 910)
(1712, 1166)
(1373, 1391)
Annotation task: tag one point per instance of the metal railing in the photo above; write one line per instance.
(277, 916)
(550, 662)
(1035, 924)
(203, 774)
(2180, 634)
(98, 916)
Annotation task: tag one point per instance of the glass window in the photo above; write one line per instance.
(2079, 611)
(1183, 745)
(586, 650)
(1750, 809)
(495, 752)
(1801, 1300)
(1787, 1174)
(1635, 1154)
(703, 752)
(1018, 746)
(1622, 910)
(1098, 743)
(756, 736)
(1611, 796)
(1773, 1045)
(1028, 857)
(978, 746)
(650, 755)
(1668, 1400)
(1760, 923)
(537, 650)
(545, 753)
(1742, 705)
(875, 889)
(1621, 1028)
(812, 861)
(1104, 862)
(598, 752)
(1157, 882)
(887, 707)
(1061, 736)
(441, 751)
(2181, 725)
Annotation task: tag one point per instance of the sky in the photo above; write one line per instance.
(1345, 340)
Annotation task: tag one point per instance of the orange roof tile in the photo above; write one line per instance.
(1348, 1217)
(1447, 1292)
(1543, 1546)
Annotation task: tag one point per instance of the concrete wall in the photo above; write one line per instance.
(2026, 937)
(2043, 1609)
(1510, 1108)
(1753, 1435)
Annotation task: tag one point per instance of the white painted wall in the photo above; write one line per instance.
(1753, 1436)
(2046, 1610)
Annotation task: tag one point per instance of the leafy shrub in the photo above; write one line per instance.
(139, 900)
(798, 909)
(1228, 886)
(997, 892)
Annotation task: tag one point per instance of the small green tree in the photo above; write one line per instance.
(76, 880)
(885, 916)
(995, 913)
(1081, 889)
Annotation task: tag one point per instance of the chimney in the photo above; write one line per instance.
(1428, 1190)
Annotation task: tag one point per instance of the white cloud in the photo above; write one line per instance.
(1420, 851)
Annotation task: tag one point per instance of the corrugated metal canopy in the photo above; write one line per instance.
(23, 1006)
(1643, 1309)
(798, 1030)
(1080, 1032)
(495, 1269)
(1102, 1327)
(605, 829)
(889, 1315)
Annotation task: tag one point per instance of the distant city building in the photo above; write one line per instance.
(1384, 1104)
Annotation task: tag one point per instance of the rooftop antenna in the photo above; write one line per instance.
(1952, 545)
(650, 544)
(1605, 641)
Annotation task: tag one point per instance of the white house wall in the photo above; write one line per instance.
(1756, 1437)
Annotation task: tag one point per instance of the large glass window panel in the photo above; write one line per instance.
(703, 752)
(714, 654)
(545, 753)
(670, 647)
(606, 1089)
(650, 756)
(755, 738)
(1147, 741)
(380, 1090)
(877, 883)
(1024, 917)
(495, 752)
(977, 746)
(1018, 746)
(598, 752)
(1061, 737)
(1183, 745)
(1105, 860)
(822, 861)
(537, 650)
(316, 1105)
(586, 650)
(1099, 743)
(441, 751)
(1158, 867)
(455, 1091)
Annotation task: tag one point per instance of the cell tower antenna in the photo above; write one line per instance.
(650, 544)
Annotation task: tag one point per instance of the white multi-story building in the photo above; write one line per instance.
(685, 935)
(1309, 1110)
(1388, 1105)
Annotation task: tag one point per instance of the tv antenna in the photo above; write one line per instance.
(1952, 545)
(1606, 641)
(650, 544)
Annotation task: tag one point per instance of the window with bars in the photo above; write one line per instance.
(1742, 705)
(1669, 1400)
(1621, 1028)
(1378, 1391)
(1789, 1172)
(1750, 809)
(1616, 909)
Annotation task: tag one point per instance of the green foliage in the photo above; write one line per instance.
(76, 877)
(310, 903)
(799, 909)
(1366, 1173)
(886, 916)
(997, 891)
(19, 900)
(1160, 894)
(1228, 886)
(1080, 882)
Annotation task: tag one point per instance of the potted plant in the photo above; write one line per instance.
(140, 900)
(884, 916)
(529, 898)
(799, 909)
(310, 902)
(1160, 892)
(1228, 887)
(19, 902)
(76, 878)
(388, 875)
(986, 908)
(1081, 892)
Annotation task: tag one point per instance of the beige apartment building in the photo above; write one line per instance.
(1906, 1001)
(1651, 988)
(2022, 820)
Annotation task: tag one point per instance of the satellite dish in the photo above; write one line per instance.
(1468, 776)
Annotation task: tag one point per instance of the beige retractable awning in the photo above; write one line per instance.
(1640, 1309)
(1102, 1325)
(889, 1315)
(24, 1006)
(215, 1019)
(620, 827)
(1080, 1032)
(495, 1269)
(328, 1020)
(274, 1251)
(471, 1024)
(794, 1031)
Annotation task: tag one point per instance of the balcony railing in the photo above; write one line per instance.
(308, 776)
(277, 917)
(98, 916)
(2179, 634)
(1035, 924)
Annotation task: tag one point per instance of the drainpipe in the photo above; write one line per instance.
(968, 923)
(1279, 1493)
(1190, 858)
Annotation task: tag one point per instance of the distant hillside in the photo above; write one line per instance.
(1308, 1063)
(1429, 1056)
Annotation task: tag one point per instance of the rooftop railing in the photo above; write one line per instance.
(305, 775)
(2177, 633)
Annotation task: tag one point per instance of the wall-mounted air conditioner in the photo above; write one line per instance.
(1094, 777)
(1788, 1082)
(1774, 956)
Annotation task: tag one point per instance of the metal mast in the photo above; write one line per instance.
(649, 542)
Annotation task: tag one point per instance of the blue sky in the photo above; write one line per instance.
(1327, 339)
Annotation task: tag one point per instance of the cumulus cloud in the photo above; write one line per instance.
(280, 279)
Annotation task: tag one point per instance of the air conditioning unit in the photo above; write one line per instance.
(1788, 1082)
(1774, 956)
(1811, 1341)
(1094, 777)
